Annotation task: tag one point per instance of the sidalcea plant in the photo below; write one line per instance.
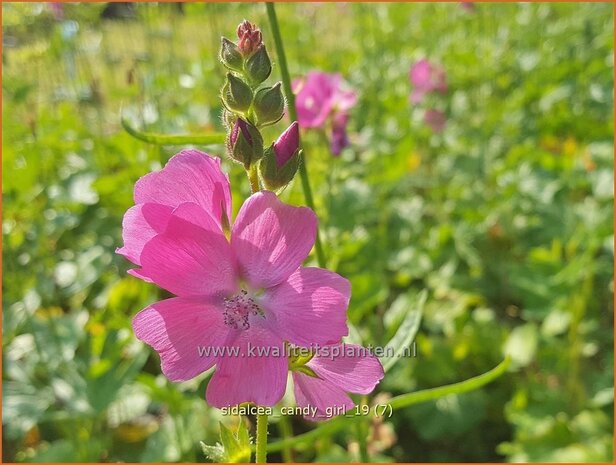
(428, 78)
(323, 101)
(244, 304)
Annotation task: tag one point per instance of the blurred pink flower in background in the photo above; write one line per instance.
(468, 6)
(57, 10)
(435, 119)
(426, 77)
(322, 100)
(248, 290)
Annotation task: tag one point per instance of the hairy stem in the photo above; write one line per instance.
(286, 83)
(261, 441)
(253, 177)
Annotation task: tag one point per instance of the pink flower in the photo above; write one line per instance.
(339, 135)
(426, 77)
(238, 299)
(320, 97)
(339, 369)
(435, 119)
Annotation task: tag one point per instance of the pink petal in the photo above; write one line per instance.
(353, 368)
(136, 272)
(309, 307)
(345, 99)
(176, 328)
(190, 259)
(320, 394)
(140, 224)
(190, 176)
(271, 239)
(420, 74)
(316, 98)
(249, 377)
(417, 96)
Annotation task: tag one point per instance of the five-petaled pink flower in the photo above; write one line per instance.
(426, 77)
(320, 96)
(239, 300)
(340, 369)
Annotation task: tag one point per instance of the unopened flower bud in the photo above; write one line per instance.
(236, 94)
(281, 160)
(230, 55)
(228, 119)
(269, 105)
(249, 36)
(259, 66)
(245, 143)
(287, 144)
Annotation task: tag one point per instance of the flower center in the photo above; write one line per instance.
(238, 310)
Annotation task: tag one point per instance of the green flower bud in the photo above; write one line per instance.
(258, 67)
(245, 143)
(269, 105)
(228, 119)
(230, 55)
(236, 94)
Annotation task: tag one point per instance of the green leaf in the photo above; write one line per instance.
(229, 441)
(233, 448)
(243, 437)
(406, 333)
(174, 139)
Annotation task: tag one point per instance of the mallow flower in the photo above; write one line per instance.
(241, 292)
(321, 100)
(323, 382)
(426, 77)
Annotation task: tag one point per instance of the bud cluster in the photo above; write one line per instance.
(250, 107)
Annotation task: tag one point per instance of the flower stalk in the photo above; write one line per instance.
(286, 83)
(261, 440)
(249, 108)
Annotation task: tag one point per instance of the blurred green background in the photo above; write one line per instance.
(506, 217)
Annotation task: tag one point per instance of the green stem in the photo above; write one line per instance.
(286, 83)
(173, 139)
(362, 427)
(253, 177)
(261, 441)
(398, 402)
(286, 430)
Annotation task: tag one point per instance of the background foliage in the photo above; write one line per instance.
(505, 217)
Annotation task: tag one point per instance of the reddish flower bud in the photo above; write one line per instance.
(245, 143)
(250, 37)
(287, 144)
